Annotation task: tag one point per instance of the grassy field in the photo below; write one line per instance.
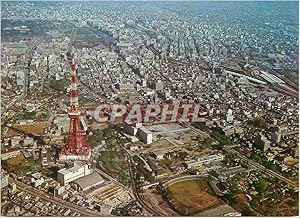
(191, 197)
(21, 165)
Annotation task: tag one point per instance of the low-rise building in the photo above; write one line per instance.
(28, 141)
(15, 141)
(86, 182)
(203, 160)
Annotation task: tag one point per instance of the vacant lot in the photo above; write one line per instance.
(33, 128)
(15, 161)
(191, 197)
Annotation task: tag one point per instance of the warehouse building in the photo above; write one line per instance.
(203, 160)
(86, 182)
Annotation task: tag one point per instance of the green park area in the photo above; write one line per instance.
(142, 171)
(27, 115)
(86, 100)
(201, 126)
(221, 138)
(21, 166)
(59, 85)
(258, 122)
(112, 158)
(267, 197)
(43, 116)
(269, 164)
(265, 162)
(261, 185)
(271, 202)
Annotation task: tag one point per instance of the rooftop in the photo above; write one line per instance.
(70, 170)
(218, 211)
(89, 180)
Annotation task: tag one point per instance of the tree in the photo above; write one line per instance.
(207, 142)
(261, 185)
(259, 122)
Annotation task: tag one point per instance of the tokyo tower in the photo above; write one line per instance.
(76, 147)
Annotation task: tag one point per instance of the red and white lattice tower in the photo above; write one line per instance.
(76, 147)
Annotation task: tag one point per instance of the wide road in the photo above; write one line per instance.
(34, 43)
(140, 199)
(71, 42)
(260, 167)
(42, 195)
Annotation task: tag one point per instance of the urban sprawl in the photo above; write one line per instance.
(232, 66)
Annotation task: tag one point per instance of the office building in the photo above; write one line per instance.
(67, 175)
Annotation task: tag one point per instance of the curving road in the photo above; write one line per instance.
(140, 199)
(181, 179)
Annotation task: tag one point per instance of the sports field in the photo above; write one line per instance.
(192, 196)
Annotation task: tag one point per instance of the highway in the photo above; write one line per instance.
(71, 43)
(140, 199)
(293, 132)
(34, 44)
(260, 167)
(42, 195)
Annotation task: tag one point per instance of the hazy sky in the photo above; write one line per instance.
(154, 0)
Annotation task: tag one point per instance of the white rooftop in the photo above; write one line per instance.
(73, 169)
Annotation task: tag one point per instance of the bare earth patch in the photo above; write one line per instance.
(193, 196)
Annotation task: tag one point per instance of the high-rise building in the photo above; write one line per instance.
(229, 116)
(4, 180)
